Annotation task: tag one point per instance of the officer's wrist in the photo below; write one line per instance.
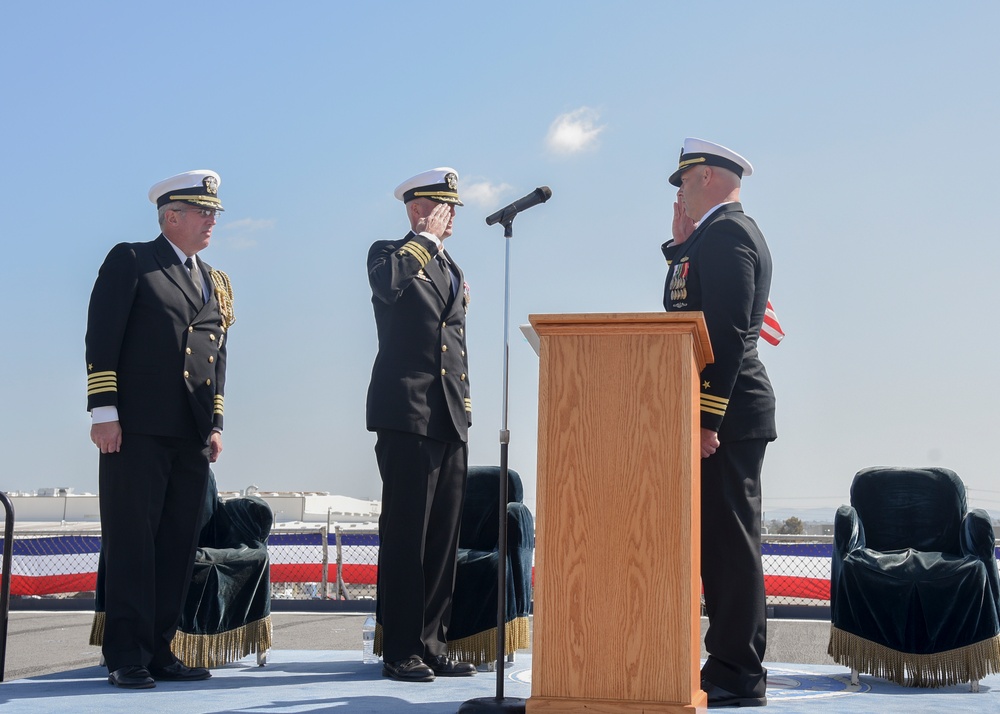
(432, 238)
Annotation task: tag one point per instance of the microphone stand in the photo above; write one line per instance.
(500, 703)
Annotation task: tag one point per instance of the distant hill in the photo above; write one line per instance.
(806, 515)
(824, 515)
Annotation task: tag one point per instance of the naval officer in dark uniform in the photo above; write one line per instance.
(718, 263)
(156, 374)
(419, 406)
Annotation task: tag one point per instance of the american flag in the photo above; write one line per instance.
(771, 329)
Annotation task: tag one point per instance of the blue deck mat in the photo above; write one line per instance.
(295, 681)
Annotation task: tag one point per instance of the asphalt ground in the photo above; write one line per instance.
(45, 642)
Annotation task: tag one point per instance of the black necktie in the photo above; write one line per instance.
(195, 276)
(446, 267)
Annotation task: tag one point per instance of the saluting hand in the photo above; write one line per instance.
(682, 226)
(436, 223)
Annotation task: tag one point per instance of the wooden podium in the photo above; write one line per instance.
(617, 589)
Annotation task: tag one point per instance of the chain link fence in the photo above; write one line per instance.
(335, 563)
(797, 569)
(55, 564)
(323, 564)
(306, 563)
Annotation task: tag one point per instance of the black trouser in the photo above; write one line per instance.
(731, 569)
(152, 494)
(423, 487)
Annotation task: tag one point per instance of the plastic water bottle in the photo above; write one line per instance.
(368, 641)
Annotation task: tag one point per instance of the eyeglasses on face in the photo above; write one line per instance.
(200, 212)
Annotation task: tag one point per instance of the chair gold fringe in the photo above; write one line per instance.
(97, 630)
(219, 649)
(941, 669)
(208, 650)
(482, 646)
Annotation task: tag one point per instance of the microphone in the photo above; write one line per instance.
(539, 195)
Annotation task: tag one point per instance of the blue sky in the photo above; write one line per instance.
(871, 126)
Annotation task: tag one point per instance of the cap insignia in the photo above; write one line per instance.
(211, 185)
(452, 181)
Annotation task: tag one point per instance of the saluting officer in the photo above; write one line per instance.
(719, 263)
(420, 408)
(156, 373)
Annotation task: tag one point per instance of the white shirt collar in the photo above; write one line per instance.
(712, 210)
(181, 255)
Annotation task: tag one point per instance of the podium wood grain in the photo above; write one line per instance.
(617, 554)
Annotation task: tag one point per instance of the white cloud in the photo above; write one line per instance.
(240, 233)
(574, 131)
(483, 193)
(246, 225)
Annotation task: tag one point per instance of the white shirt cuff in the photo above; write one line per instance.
(433, 239)
(100, 415)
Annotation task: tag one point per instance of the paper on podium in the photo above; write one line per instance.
(531, 336)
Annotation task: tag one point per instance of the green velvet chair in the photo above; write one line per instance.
(472, 634)
(914, 590)
(227, 613)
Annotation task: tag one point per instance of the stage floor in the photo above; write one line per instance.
(296, 681)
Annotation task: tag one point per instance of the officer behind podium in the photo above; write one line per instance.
(420, 408)
(156, 372)
(718, 263)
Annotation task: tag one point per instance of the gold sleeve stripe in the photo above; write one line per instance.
(468, 404)
(714, 405)
(219, 404)
(716, 401)
(417, 251)
(101, 382)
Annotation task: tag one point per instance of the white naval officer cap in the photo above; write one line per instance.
(440, 184)
(697, 152)
(199, 188)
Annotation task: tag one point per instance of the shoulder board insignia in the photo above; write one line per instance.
(224, 294)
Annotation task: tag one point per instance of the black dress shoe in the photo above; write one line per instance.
(133, 676)
(411, 669)
(177, 671)
(444, 667)
(719, 697)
